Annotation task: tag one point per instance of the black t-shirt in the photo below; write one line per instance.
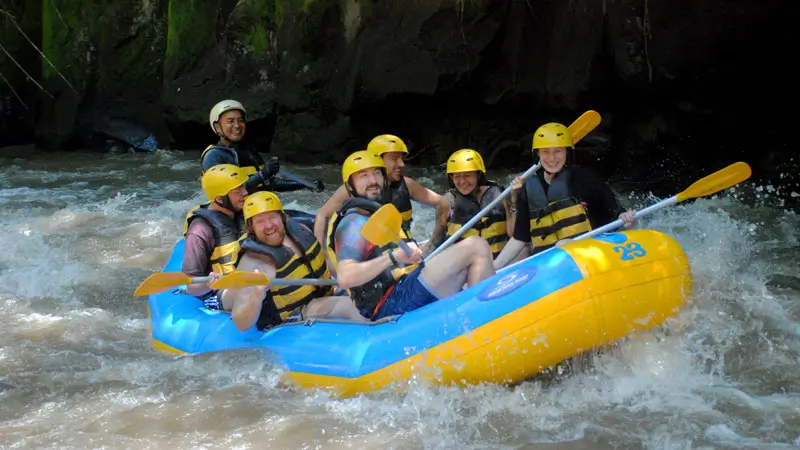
(248, 157)
(587, 186)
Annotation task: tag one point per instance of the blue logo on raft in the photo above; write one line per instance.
(612, 238)
(507, 283)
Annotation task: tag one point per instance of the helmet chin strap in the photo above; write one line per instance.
(225, 203)
(221, 133)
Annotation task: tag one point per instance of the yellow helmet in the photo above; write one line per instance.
(221, 179)
(221, 108)
(552, 135)
(465, 160)
(360, 160)
(261, 202)
(386, 143)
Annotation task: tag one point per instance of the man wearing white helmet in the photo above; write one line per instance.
(228, 122)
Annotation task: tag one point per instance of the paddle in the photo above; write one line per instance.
(164, 281)
(580, 128)
(711, 184)
(384, 227)
(298, 179)
(238, 280)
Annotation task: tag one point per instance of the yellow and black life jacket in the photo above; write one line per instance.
(369, 295)
(281, 301)
(250, 162)
(228, 232)
(555, 215)
(401, 198)
(491, 227)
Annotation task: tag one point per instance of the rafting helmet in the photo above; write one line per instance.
(219, 180)
(361, 160)
(221, 108)
(552, 135)
(465, 160)
(261, 202)
(386, 143)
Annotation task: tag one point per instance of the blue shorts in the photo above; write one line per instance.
(408, 294)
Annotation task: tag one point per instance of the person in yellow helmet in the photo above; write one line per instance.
(401, 190)
(281, 247)
(470, 192)
(561, 201)
(228, 121)
(212, 231)
(385, 281)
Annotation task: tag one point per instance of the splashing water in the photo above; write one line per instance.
(79, 232)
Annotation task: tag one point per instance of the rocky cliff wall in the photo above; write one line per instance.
(693, 84)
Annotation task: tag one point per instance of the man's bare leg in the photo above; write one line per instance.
(333, 307)
(468, 261)
(524, 253)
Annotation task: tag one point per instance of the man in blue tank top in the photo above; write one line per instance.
(385, 281)
(400, 191)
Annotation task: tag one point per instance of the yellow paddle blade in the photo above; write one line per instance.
(239, 280)
(584, 124)
(161, 282)
(717, 181)
(384, 226)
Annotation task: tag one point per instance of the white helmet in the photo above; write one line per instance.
(220, 108)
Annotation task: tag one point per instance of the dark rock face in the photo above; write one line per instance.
(684, 87)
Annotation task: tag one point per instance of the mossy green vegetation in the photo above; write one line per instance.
(63, 39)
(256, 23)
(191, 29)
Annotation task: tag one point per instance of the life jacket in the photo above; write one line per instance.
(228, 232)
(555, 215)
(491, 227)
(401, 198)
(281, 301)
(368, 296)
(250, 162)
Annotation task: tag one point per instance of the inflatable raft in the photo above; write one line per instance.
(532, 315)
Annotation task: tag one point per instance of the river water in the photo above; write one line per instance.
(78, 232)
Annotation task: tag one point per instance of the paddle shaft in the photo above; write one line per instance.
(298, 179)
(580, 128)
(282, 281)
(618, 223)
(711, 184)
(467, 226)
(607, 227)
(302, 282)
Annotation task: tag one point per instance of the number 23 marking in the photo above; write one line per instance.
(630, 251)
